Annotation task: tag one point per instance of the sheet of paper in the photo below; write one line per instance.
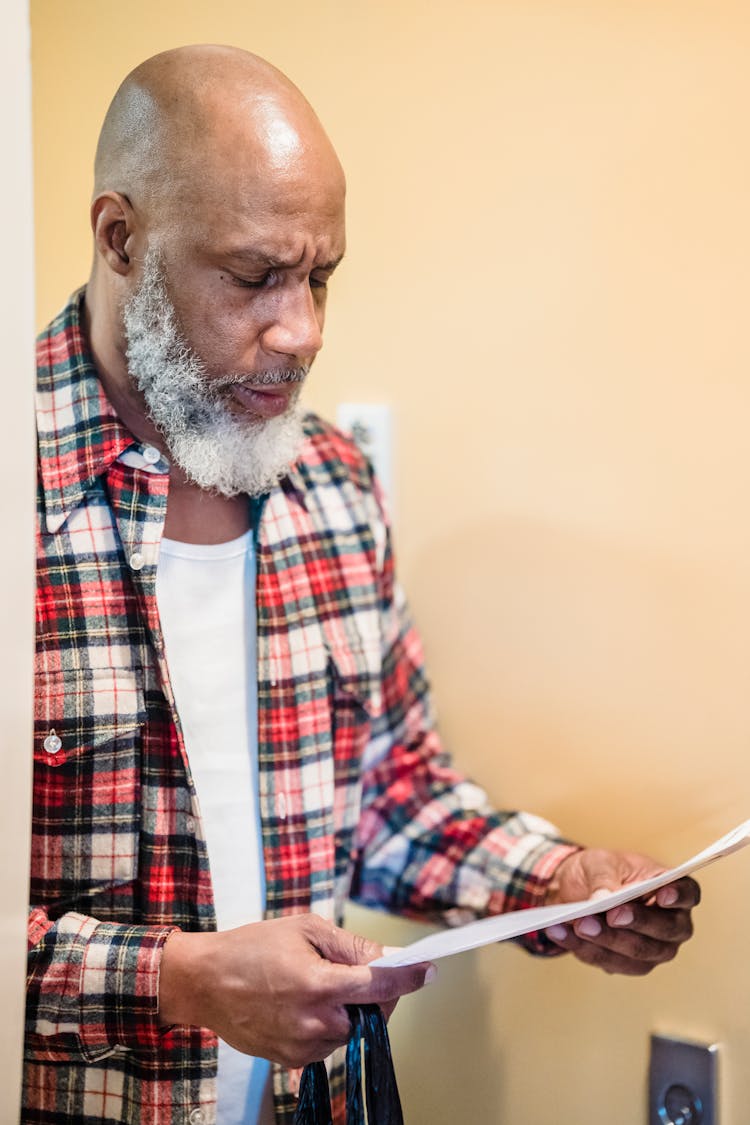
(517, 922)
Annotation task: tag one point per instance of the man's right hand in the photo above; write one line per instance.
(277, 989)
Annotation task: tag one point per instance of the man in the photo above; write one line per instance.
(226, 671)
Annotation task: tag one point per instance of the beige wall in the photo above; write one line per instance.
(17, 555)
(548, 280)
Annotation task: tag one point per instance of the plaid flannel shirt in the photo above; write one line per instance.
(357, 797)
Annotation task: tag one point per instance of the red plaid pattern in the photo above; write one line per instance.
(357, 797)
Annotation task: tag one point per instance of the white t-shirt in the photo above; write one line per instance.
(206, 599)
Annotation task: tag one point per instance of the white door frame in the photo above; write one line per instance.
(17, 466)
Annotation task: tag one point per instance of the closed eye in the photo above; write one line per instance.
(265, 281)
(271, 277)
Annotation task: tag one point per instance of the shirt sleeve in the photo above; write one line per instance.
(92, 986)
(430, 845)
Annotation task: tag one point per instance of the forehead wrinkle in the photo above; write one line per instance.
(257, 255)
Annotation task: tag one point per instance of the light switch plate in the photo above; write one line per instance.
(371, 426)
(682, 1082)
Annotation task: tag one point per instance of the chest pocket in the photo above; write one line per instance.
(87, 770)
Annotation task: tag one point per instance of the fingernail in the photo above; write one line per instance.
(667, 896)
(601, 893)
(557, 933)
(589, 927)
(389, 949)
(431, 974)
(622, 917)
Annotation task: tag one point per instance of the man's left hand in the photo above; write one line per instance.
(633, 938)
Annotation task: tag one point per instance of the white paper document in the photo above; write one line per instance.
(517, 922)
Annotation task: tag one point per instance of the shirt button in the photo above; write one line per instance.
(52, 743)
(196, 1117)
(137, 561)
(151, 454)
(281, 806)
(190, 824)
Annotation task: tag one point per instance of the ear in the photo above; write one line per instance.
(113, 222)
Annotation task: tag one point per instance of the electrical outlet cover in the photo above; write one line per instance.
(370, 426)
(682, 1082)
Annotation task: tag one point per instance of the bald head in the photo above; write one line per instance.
(218, 189)
(187, 112)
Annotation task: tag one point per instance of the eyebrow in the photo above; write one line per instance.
(258, 257)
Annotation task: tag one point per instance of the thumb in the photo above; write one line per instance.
(344, 948)
(605, 871)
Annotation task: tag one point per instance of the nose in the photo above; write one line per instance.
(297, 325)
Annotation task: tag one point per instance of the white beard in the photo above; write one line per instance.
(215, 448)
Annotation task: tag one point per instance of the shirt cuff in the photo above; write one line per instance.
(528, 886)
(119, 985)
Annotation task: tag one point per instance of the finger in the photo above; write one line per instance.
(392, 984)
(610, 960)
(628, 944)
(559, 935)
(683, 893)
(326, 1047)
(365, 985)
(299, 1055)
(636, 944)
(671, 925)
(330, 1023)
(631, 941)
(591, 953)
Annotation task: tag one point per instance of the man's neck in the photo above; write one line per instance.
(197, 516)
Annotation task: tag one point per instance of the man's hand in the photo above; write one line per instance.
(632, 938)
(277, 989)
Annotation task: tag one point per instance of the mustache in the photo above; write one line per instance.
(275, 377)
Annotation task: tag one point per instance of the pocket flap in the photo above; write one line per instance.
(80, 709)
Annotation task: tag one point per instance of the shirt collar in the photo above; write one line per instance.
(80, 435)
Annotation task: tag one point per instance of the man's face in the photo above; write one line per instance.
(248, 253)
(227, 318)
